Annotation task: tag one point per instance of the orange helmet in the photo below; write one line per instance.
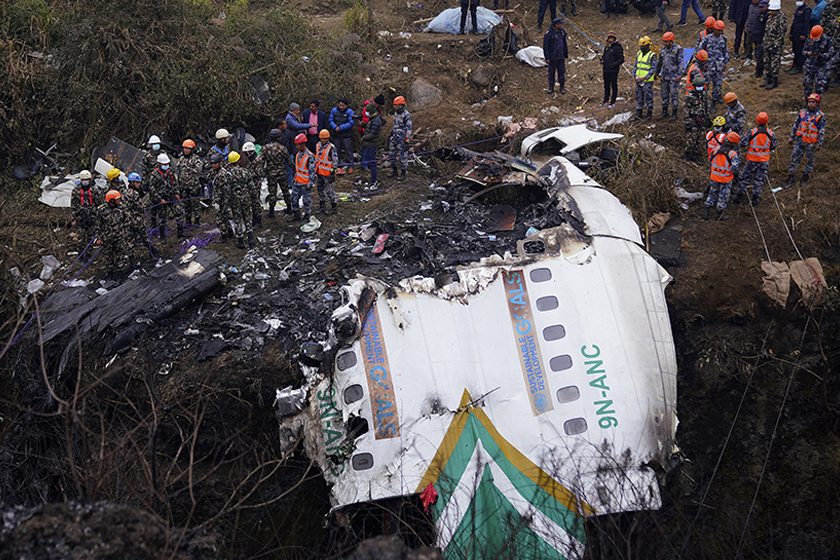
(815, 97)
(730, 97)
(701, 55)
(324, 133)
(733, 137)
(300, 138)
(816, 32)
(719, 25)
(112, 195)
(668, 36)
(399, 100)
(188, 143)
(710, 22)
(762, 118)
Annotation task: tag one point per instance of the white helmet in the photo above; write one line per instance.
(222, 133)
(163, 158)
(248, 147)
(85, 174)
(153, 139)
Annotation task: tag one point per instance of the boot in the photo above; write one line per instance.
(637, 116)
(562, 88)
(322, 208)
(392, 173)
(648, 116)
(765, 83)
(721, 217)
(804, 179)
(401, 176)
(162, 232)
(180, 231)
(333, 208)
(737, 198)
(293, 217)
(258, 221)
(574, 11)
(791, 180)
(550, 89)
(796, 70)
(772, 85)
(225, 236)
(664, 113)
(673, 116)
(251, 242)
(756, 199)
(270, 211)
(706, 211)
(239, 243)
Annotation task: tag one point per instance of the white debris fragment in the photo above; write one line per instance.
(620, 118)
(50, 265)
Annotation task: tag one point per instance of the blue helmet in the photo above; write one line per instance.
(134, 177)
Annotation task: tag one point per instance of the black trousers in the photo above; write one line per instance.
(798, 55)
(470, 5)
(610, 87)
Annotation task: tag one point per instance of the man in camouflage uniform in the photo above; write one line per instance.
(400, 135)
(164, 197)
(132, 203)
(774, 42)
(723, 168)
(235, 184)
(806, 137)
(759, 143)
(188, 172)
(274, 158)
(696, 120)
(716, 46)
(669, 67)
(246, 159)
(150, 158)
(736, 115)
(111, 227)
(84, 201)
(818, 51)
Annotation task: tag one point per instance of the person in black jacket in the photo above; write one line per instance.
(612, 59)
(799, 31)
(370, 142)
(555, 52)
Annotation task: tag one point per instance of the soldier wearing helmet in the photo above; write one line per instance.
(773, 44)
(736, 115)
(644, 73)
(819, 52)
(84, 201)
(235, 205)
(113, 230)
(248, 155)
(715, 137)
(708, 28)
(304, 179)
(274, 159)
(326, 161)
(696, 120)
(669, 68)
(759, 143)
(716, 46)
(131, 201)
(221, 146)
(723, 167)
(165, 199)
(806, 138)
(341, 129)
(696, 69)
(399, 139)
(188, 171)
(150, 156)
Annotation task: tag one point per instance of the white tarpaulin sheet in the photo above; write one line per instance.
(449, 21)
(532, 55)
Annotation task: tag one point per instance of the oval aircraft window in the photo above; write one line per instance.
(353, 393)
(547, 303)
(560, 363)
(540, 275)
(364, 461)
(346, 360)
(571, 427)
(554, 332)
(568, 394)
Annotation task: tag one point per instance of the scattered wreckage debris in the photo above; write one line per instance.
(518, 392)
(807, 275)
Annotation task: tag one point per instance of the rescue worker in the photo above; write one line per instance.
(84, 200)
(806, 137)
(715, 137)
(644, 73)
(555, 52)
(236, 185)
(132, 204)
(695, 119)
(370, 143)
(221, 146)
(326, 162)
(719, 9)
(759, 142)
(188, 172)
(341, 129)
(818, 51)
(399, 139)
(304, 179)
(274, 158)
(773, 45)
(799, 31)
(736, 115)
(111, 228)
(612, 59)
(150, 157)
(213, 174)
(708, 28)
(723, 167)
(163, 195)
(716, 46)
(246, 157)
(668, 66)
(696, 69)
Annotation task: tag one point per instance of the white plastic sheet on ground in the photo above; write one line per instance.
(58, 195)
(449, 21)
(532, 56)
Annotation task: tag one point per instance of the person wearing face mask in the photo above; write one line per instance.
(819, 51)
(773, 44)
(150, 156)
(644, 73)
(83, 201)
(400, 137)
(163, 194)
(800, 28)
